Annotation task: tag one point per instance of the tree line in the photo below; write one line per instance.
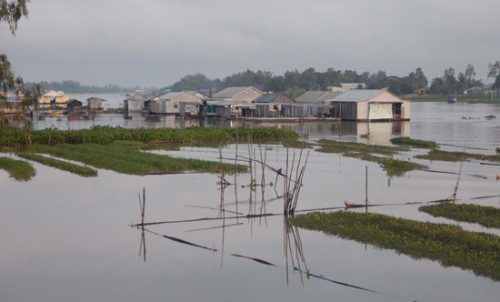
(295, 82)
(75, 87)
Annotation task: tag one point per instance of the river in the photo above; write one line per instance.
(67, 238)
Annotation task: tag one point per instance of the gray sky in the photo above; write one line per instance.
(156, 42)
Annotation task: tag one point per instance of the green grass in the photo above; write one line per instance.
(59, 164)
(393, 167)
(14, 137)
(17, 169)
(407, 141)
(457, 156)
(485, 216)
(125, 157)
(331, 146)
(450, 245)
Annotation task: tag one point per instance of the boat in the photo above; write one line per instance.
(452, 99)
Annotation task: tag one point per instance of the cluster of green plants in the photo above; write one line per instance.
(59, 164)
(332, 146)
(17, 169)
(14, 137)
(127, 158)
(454, 156)
(373, 153)
(450, 245)
(486, 216)
(407, 141)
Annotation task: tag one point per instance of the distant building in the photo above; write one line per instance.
(180, 103)
(346, 86)
(94, 103)
(74, 105)
(317, 97)
(370, 105)
(135, 103)
(53, 100)
(272, 105)
(233, 102)
(238, 94)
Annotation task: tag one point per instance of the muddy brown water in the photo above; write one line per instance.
(67, 238)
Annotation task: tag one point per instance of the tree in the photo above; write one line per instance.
(495, 73)
(10, 12)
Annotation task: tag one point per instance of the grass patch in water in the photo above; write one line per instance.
(407, 141)
(393, 167)
(450, 245)
(14, 137)
(483, 215)
(59, 164)
(126, 157)
(17, 169)
(331, 146)
(457, 156)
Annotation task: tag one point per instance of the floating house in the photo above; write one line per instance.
(95, 104)
(233, 102)
(273, 105)
(238, 94)
(74, 105)
(184, 103)
(316, 103)
(370, 105)
(135, 103)
(53, 100)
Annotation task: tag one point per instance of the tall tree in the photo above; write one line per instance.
(10, 12)
(495, 74)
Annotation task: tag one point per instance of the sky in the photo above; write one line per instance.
(153, 43)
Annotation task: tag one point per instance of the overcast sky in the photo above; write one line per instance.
(156, 42)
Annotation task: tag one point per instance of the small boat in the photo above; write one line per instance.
(349, 205)
(452, 99)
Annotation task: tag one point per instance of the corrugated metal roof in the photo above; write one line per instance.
(273, 97)
(317, 96)
(358, 95)
(230, 92)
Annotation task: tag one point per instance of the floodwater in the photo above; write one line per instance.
(68, 238)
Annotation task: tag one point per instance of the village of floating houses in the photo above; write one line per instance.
(347, 102)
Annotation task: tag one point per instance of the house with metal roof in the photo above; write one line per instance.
(238, 94)
(135, 103)
(370, 105)
(95, 103)
(272, 105)
(233, 102)
(180, 103)
(317, 97)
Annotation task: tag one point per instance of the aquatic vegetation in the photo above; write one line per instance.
(17, 169)
(14, 137)
(125, 157)
(486, 216)
(450, 245)
(331, 146)
(59, 164)
(393, 167)
(457, 156)
(407, 141)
